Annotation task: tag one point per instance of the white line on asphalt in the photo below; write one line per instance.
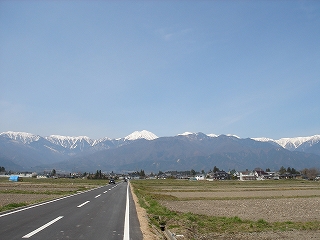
(105, 191)
(41, 228)
(83, 204)
(44, 203)
(97, 196)
(126, 235)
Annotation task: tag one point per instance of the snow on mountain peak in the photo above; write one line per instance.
(212, 135)
(263, 139)
(23, 137)
(232, 135)
(69, 142)
(144, 134)
(185, 134)
(292, 143)
(296, 142)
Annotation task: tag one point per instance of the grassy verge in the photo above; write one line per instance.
(12, 206)
(190, 224)
(50, 187)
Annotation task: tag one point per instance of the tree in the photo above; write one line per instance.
(142, 174)
(2, 169)
(310, 173)
(53, 172)
(268, 170)
(193, 172)
(215, 169)
(282, 170)
(293, 171)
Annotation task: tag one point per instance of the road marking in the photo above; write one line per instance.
(126, 220)
(44, 203)
(105, 191)
(41, 228)
(83, 204)
(97, 196)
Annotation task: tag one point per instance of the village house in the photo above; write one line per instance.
(200, 177)
(247, 175)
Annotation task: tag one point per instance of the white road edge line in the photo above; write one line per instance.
(41, 228)
(83, 204)
(44, 203)
(126, 235)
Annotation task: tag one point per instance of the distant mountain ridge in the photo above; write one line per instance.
(71, 142)
(143, 149)
(297, 143)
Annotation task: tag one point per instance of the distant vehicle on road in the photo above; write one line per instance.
(112, 181)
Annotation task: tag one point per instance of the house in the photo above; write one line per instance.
(220, 175)
(247, 175)
(200, 177)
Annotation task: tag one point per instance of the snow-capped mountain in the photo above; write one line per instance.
(209, 135)
(71, 142)
(75, 144)
(23, 137)
(298, 143)
(144, 134)
(301, 143)
(68, 142)
(25, 151)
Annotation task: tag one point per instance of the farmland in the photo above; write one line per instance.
(200, 209)
(233, 209)
(31, 190)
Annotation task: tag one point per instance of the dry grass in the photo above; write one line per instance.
(237, 210)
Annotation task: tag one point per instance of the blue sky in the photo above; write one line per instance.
(108, 68)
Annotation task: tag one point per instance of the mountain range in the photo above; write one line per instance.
(21, 151)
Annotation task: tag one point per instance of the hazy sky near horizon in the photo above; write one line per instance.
(108, 68)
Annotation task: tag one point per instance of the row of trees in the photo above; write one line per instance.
(283, 170)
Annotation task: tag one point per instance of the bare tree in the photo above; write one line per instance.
(311, 173)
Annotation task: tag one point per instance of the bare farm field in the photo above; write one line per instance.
(286, 209)
(29, 191)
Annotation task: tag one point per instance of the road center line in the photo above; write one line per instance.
(97, 196)
(83, 204)
(126, 235)
(41, 228)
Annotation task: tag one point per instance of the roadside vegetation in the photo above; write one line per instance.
(152, 193)
(32, 190)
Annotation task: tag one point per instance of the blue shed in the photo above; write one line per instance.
(14, 178)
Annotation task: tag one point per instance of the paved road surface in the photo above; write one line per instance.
(107, 212)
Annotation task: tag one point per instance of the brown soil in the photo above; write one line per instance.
(6, 199)
(294, 205)
(271, 210)
(287, 205)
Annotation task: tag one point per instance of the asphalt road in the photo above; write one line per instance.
(106, 212)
